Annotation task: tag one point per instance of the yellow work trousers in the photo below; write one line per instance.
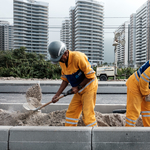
(84, 103)
(136, 104)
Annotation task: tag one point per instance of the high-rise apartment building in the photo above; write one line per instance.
(148, 30)
(64, 33)
(72, 29)
(141, 35)
(86, 29)
(31, 25)
(122, 50)
(6, 36)
(132, 41)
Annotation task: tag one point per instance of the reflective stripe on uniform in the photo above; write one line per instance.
(145, 79)
(91, 124)
(136, 77)
(139, 72)
(130, 123)
(86, 85)
(131, 120)
(71, 122)
(71, 119)
(146, 75)
(145, 115)
(92, 71)
(144, 112)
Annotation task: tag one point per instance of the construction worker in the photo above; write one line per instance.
(138, 98)
(77, 71)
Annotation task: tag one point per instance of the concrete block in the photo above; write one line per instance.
(4, 137)
(120, 138)
(50, 138)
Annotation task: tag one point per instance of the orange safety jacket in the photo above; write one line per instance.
(137, 89)
(139, 82)
(77, 69)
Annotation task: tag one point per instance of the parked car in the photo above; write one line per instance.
(104, 72)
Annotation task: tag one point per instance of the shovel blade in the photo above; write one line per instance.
(27, 106)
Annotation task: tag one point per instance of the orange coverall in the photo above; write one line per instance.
(83, 101)
(137, 89)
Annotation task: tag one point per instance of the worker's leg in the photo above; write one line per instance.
(145, 112)
(88, 101)
(133, 108)
(74, 111)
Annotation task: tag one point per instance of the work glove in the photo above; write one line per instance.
(147, 98)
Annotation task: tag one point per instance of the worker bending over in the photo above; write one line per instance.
(138, 99)
(77, 71)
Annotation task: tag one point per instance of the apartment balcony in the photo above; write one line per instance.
(84, 5)
(89, 20)
(88, 39)
(33, 14)
(16, 7)
(86, 30)
(97, 10)
(19, 15)
(89, 11)
(91, 25)
(141, 13)
(88, 46)
(87, 27)
(89, 36)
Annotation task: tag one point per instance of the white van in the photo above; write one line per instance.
(104, 72)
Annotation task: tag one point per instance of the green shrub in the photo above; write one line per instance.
(18, 63)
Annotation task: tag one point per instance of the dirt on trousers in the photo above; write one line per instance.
(56, 118)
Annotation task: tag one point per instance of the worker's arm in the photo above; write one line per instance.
(60, 90)
(81, 85)
(85, 67)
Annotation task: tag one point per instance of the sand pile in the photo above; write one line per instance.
(56, 118)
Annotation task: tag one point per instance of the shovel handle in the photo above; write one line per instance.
(51, 102)
(67, 93)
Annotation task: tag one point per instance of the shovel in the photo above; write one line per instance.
(28, 106)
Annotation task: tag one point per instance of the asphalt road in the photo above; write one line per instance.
(101, 98)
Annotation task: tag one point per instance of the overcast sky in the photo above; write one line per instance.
(116, 12)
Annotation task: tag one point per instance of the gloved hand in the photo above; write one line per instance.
(147, 98)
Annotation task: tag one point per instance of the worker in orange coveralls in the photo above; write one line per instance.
(138, 98)
(77, 71)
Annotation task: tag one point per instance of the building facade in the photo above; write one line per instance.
(31, 25)
(64, 33)
(132, 41)
(86, 29)
(89, 20)
(141, 35)
(122, 49)
(6, 36)
(72, 29)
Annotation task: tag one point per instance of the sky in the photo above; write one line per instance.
(116, 12)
